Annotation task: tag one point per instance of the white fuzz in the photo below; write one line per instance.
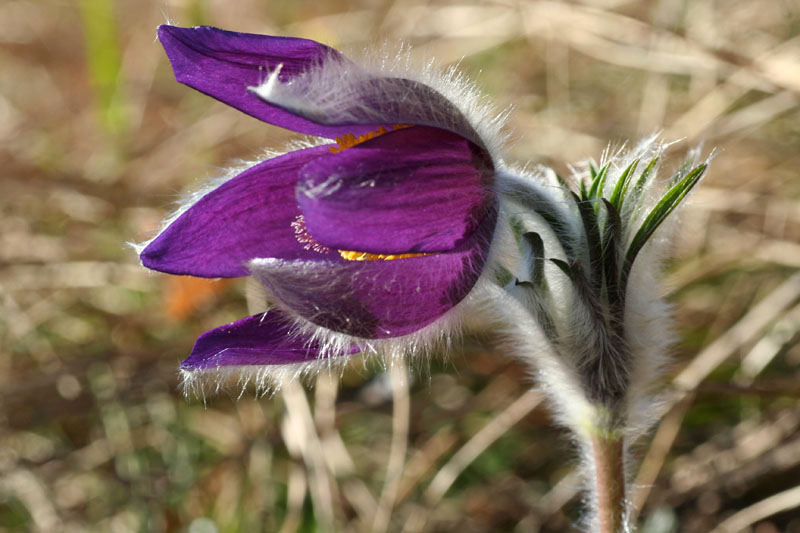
(336, 352)
(339, 91)
(264, 90)
(594, 333)
(528, 196)
(531, 202)
(522, 337)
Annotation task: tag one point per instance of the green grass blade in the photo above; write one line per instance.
(584, 193)
(596, 188)
(640, 183)
(660, 212)
(103, 61)
(618, 195)
(197, 13)
(681, 173)
(592, 170)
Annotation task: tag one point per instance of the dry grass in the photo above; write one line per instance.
(96, 141)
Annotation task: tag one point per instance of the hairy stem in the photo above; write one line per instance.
(608, 454)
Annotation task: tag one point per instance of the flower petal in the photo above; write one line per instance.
(379, 298)
(246, 217)
(341, 93)
(418, 189)
(264, 339)
(225, 64)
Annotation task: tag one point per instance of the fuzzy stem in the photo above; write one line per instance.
(610, 483)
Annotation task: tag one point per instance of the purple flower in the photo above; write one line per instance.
(375, 231)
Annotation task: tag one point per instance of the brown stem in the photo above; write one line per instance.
(610, 480)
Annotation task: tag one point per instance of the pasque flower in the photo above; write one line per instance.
(378, 232)
(375, 230)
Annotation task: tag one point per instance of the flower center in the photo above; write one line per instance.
(348, 140)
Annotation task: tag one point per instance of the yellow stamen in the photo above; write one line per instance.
(348, 140)
(308, 242)
(364, 256)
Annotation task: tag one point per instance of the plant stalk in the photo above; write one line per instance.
(608, 454)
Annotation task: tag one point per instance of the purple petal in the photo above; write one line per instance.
(264, 339)
(224, 64)
(418, 189)
(338, 94)
(379, 298)
(248, 216)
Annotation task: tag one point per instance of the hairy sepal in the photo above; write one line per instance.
(390, 87)
(336, 352)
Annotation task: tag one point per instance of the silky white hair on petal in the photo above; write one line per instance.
(439, 337)
(334, 91)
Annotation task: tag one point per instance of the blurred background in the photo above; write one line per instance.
(97, 140)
